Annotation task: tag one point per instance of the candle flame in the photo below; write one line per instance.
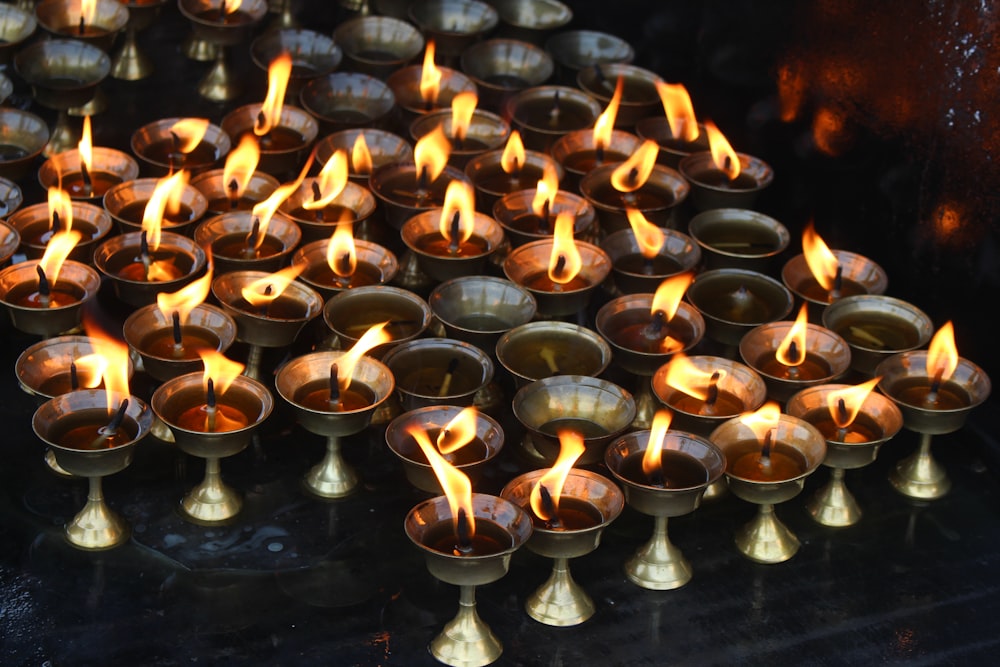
(820, 259)
(648, 236)
(652, 458)
(458, 432)
(456, 485)
(942, 353)
(679, 110)
(221, 370)
(241, 163)
(458, 198)
(88, 10)
(431, 153)
(797, 336)
(230, 6)
(513, 156)
(763, 420)
(264, 290)
(724, 157)
(545, 191)
(90, 370)
(605, 123)
(373, 337)
(361, 156)
(265, 210)
(332, 179)
(115, 365)
(565, 261)
(570, 448)
(167, 193)
(430, 76)
(463, 105)
(683, 375)
(186, 299)
(633, 173)
(189, 132)
(341, 248)
(852, 399)
(278, 73)
(86, 146)
(61, 204)
(668, 295)
(56, 251)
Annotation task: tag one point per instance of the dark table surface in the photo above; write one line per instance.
(299, 581)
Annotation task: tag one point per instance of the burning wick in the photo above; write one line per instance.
(176, 157)
(549, 507)
(656, 478)
(55, 222)
(463, 534)
(263, 309)
(211, 409)
(712, 394)
(334, 388)
(317, 195)
(765, 453)
(88, 186)
(178, 339)
(842, 418)
(344, 263)
(111, 430)
(557, 271)
(74, 378)
(453, 246)
(233, 188)
(838, 282)
(44, 290)
(932, 393)
(555, 111)
(543, 223)
(265, 140)
(251, 250)
(548, 355)
(82, 29)
(654, 330)
(448, 375)
(144, 254)
(794, 357)
(222, 11)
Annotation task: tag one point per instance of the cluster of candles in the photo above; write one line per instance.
(562, 193)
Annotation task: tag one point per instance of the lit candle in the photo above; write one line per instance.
(339, 392)
(660, 466)
(766, 458)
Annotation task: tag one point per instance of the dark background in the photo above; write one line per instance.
(880, 122)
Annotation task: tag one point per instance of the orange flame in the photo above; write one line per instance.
(605, 123)
(792, 349)
(230, 6)
(361, 157)
(90, 370)
(86, 146)
(241, 164)
(463, 105)
(570, 449)
(648, 236)
(189, 133)
(763, 420)
(264, 290)
(683, 375)
(852, 398)
(653, 456)
(186, 299)
(341, 255)
(221, 370)
(942, 354)
(513, 156)
(633, 173)
(167, 192)
(456, 485)
(88, 10)
(62, 204)
(821, 261)
(278, 73)
(431, 153)
(458, 198)
(679, 110)
(56, 251)
(331, 181)
(545, 191)
(668, 295)
(458, 432)
(723, 156)
(565, 261)
(376, 335)
(114, 353)
(265, 210)
(430, 76)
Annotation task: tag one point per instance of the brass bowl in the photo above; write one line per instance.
(11, 198)
(118, 164)
(738, 238)
(62, 73)
(313, 55)
(16, 26)
(640, 97)
(454, 25)
(61, 19)
(574, 50)
(92, 221)
(480, 309)
(298, 128)
(344, 100)
(10, 240)
(127, 193)
(531, 20)
(378, 45)
(24, 136)
(501, 67)
(383, 147)
(147, 138)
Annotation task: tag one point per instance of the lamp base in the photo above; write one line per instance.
(659, 565)
(212, 501)
(332, 477)
(97, 527)
(920, 475)
(833, 505)
(560, 601)
(766, 539)
(466, 641)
